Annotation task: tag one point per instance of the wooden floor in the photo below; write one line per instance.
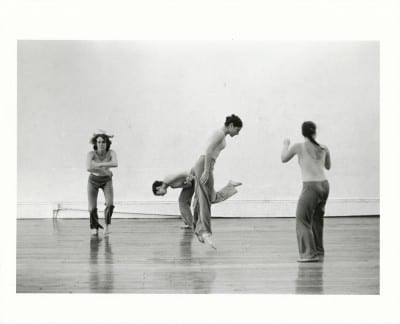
(157, 256)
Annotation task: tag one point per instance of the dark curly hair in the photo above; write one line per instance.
(155, 185)
(233, 119)
(93, 141)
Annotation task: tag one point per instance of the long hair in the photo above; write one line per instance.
(308, 129)
(93, 141)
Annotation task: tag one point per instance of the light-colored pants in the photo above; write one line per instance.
(310, 218)
(185, 200)
(205, 196)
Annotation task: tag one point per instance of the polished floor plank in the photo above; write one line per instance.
(157, 256)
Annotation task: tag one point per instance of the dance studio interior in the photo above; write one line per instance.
(161, 100)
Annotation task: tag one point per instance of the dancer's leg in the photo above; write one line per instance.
(318, 218)
(108, 190)
(93, 190)
(185, 199)
(226, 192)
(305, 209)
(203, 194)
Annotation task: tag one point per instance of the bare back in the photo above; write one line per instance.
(312, 162)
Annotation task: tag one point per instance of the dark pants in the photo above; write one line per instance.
(94, 184)
(310, 218)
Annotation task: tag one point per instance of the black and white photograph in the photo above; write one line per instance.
(198, 167)
(174, 162)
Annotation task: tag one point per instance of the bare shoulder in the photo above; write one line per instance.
(297, 147)
(218, 135)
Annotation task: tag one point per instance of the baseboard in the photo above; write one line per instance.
(230, 208)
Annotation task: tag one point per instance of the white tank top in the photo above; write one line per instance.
(312, 169)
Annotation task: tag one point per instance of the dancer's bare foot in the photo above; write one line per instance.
(313, 259)
(235, 183)
(185, 227)
(208, 239)
(200, 238)
(94, 231)
(107, 230)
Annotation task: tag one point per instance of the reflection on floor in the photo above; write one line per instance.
(157, 256)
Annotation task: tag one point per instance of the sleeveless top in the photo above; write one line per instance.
(98, 158)
(105, 158)
(215, 153)
(312, 169)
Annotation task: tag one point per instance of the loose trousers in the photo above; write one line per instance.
(204, 197)
(185, 200)
(310, 218)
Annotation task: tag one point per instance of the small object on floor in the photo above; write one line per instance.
(313, 259)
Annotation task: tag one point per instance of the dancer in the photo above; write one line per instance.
(204, 178)
(313, 159)
(186, 180)
(98, 163)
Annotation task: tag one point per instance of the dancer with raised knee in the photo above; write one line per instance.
(98, 163)
(204, 178)
(313, 159)
(186, 181)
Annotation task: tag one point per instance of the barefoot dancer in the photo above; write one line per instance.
(186, 180)
(204, 175)
(313, 160)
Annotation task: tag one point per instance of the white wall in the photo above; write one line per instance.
(162, 99)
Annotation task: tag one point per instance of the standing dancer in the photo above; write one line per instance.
(204, 178)
(186, 180)
(313, 160)
(98, 163)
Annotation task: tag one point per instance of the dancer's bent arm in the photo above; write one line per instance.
(288, 153)
(111, 164)
(327, 157)
(90, 166)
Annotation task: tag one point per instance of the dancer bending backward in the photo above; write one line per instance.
(186, 181)
(313, 160)
(98, 163)
(204, 178)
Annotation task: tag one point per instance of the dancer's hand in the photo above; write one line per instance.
(189, 179)
(286, 142)
(204, 177)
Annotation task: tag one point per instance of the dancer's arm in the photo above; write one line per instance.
(111, 164)
(215, 141)
(288, 153)
(176, 180)
(327, 157)
(90, 167)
